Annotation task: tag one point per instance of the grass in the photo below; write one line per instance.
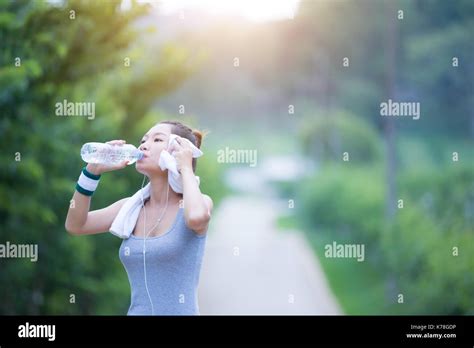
(358, 286)
(287, 222)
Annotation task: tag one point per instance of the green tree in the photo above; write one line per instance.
(74, 50)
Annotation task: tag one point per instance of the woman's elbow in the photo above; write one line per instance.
(198, 221)
(72, 230)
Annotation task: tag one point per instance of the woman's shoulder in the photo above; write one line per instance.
(121, 202)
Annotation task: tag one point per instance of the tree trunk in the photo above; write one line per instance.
(390, 93)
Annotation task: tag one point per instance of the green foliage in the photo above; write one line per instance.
(326, 136)
(210, 173)
(414, 255)
(414, 252)
(452, 205)
(359, 286)
(438, 55)
(338, 197)
(79, 59)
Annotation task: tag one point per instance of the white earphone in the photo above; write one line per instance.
(146, 236)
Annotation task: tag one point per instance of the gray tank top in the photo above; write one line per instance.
(173, 264)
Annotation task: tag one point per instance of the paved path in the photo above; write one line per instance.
(251, 267)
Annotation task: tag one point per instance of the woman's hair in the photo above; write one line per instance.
(194, 136)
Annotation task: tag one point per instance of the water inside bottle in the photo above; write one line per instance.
(110, 155)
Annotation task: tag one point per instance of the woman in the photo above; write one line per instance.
(164, 273)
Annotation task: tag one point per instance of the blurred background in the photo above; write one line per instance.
(299, 85)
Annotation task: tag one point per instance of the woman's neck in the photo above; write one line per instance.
(158, 187)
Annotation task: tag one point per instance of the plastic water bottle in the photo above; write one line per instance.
(110, 154)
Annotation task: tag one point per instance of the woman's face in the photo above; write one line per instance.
(152, 143)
